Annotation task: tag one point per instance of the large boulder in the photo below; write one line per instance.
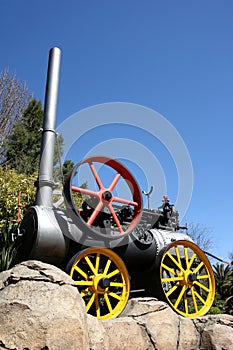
(40, 308)
(147, 323)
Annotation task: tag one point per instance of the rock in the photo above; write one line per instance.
(98, 339)
(40, 308)
(126, 333)
(151, 324)
(216, 331)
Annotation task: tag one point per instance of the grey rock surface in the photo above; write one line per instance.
(41, 309)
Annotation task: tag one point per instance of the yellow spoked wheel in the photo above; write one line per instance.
(187, 279)
(102, 280)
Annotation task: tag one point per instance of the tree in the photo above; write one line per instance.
(23, 144)
(201, 235)
(224, 288)
(66, 168)
(14, 98)
(223, 279)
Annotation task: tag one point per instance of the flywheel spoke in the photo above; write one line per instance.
(85, 191)
(114, 182)
(124, 201)
(95, 213)
(96, 176)
(115, 218)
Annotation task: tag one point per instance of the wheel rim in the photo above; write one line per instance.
(101, 196)
(103, 282)
(187, 279)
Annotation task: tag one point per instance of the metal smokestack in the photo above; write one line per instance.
(45, 183)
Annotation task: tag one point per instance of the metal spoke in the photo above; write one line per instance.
(108, 302)
(186, 303)
(95, 213)
(176, 262)
(90, 265)
(115, 218)
(198, 267)
(84, 283)
(84, 292)
(199, 277)
(202, 286)
(178, 255)
(168, 268)
(194, 299)
(107, 267)
(186, 257)
(116, 284)
(96, 176)
(81, 272)
(90, 302)
(171, 290)
(114, 182)
(114, 295)
(85, 191)
(97, 263)
(199, 297)
(172, 279)
(113, 273)
(180, 297)
(124, 201)
(192, 260)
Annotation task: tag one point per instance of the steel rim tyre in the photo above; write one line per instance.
(102, 280)
(187, 279)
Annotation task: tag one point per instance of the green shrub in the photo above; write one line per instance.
(11, 184)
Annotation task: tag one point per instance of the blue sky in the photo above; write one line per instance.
(173, 57)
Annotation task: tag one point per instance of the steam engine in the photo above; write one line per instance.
(112, 248)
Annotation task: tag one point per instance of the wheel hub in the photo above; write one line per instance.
(100, 283)
(192, 277)
(104, 282)
(107, 195)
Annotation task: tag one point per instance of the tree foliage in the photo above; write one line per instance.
(23, 144)
(223, 301)
(223, 280)
(14, 98)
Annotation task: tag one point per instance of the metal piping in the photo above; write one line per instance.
(45, 183)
